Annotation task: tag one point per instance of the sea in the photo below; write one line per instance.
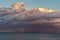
(30, 36)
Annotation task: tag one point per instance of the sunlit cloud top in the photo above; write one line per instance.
(46, 10)
(17, 5)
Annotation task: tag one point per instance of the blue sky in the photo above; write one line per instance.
(50, 4)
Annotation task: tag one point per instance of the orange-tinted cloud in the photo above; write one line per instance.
(46, 10)
(17, 6)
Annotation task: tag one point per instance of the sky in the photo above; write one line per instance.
(50, 4)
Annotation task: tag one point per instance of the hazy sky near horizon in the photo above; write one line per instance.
(50, 4)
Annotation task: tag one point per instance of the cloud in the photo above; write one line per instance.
(20, 13)
(17, 15)
(46, 10)
(17, 6)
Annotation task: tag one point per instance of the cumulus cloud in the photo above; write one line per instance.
(19, 12)
(19, 15)
(17, 6)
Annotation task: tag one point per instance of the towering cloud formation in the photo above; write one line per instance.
(20, 13)
(17, 6)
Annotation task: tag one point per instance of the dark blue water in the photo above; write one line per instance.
(30, 36)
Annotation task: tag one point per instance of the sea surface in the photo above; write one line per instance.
(30, 36)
